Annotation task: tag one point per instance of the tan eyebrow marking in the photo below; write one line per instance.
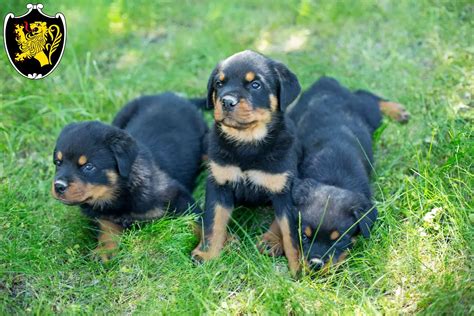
(308, 231)
(334, 235)
(249, 76)
(82, 160)
(59, 155)
(221, 76)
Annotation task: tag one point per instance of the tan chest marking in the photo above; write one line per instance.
(225, 174)
(273, 182)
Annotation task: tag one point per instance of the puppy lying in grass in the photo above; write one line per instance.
(333, 197)
(135, 170)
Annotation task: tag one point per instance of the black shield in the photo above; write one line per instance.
(34, 42)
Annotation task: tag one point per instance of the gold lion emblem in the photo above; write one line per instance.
(40, 41)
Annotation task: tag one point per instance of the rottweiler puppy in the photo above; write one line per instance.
(333, 197)
(135, 170)
(252, 156)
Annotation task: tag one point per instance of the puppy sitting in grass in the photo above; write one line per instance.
(135, 170)
(252, 156)
(333, 197)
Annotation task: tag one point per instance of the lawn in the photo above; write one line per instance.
(419, 258)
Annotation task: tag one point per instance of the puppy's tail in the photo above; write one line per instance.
(391, 109)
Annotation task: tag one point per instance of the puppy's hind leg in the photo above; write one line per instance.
(394, 110)
(391, 109)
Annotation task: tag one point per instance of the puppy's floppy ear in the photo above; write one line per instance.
(301, 190)
(210, 88)
(366, 218)
(289, 85)
(125, 150)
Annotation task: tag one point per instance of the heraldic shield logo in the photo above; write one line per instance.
(34, 41)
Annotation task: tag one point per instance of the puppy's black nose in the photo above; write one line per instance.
(60, 187)
(316, 264)
(229, 102)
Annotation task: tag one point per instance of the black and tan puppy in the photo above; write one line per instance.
(252, 156)
(135, 170)
(335, 127)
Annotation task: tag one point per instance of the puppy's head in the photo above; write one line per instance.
(92, 160)
(330, 217)
(247, 90)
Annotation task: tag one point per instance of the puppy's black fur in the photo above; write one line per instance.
(252, 155)
(137, 169)
(335, 128)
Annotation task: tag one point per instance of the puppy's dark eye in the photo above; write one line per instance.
(219, 84)
(57, 162)
(88, 168)
(305, 238)
(255, 85)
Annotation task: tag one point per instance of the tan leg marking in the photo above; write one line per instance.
(218, 236)
(271, 243)
(395, 111)
(108, 240)
(292, 253)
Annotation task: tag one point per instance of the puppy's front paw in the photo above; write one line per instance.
(271, 245)
(198, 255)
(105, 252)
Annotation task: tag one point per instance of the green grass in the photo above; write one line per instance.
(419, 53)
